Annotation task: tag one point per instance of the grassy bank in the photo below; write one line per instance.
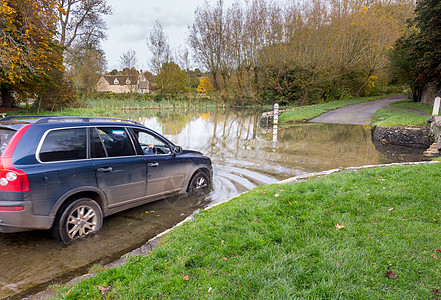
(403, 113)
(301, 114)
(372, 234)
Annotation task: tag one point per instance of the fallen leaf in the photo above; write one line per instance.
(437, 214)
(435, 291)
(339, 226)
(104, 290)
(436, 250)
(339, 264)
(391, 274)
(186, 277)
(289, 202)
(434, 256)
(224, 258)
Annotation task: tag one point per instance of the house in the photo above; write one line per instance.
(123, 84)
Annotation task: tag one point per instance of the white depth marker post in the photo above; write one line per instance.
(275, 121)
(436, 106)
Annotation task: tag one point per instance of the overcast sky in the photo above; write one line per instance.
(132, 21)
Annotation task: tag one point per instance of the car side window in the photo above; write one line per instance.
(64, 144)
(97, 149)
(116, 141)
(150, 144)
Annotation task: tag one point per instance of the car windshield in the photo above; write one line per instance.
(5, 136)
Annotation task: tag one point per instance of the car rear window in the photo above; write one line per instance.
(64, 144)
(5, 137)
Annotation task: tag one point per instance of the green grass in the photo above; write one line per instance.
(302, 114)
(120, 107)
(264, 246)
(402, 113)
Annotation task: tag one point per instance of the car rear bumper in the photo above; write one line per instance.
(23, 220)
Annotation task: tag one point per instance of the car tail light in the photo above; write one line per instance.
(12, 179)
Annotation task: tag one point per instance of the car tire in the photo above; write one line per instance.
(78, 219)
(199, 183)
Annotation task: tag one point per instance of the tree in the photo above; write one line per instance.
(81, 19)
(428, 41)
(403, 65)
(208, 38)
(29, 55)
(205, 85)
(171, 79)
(86, 63)
(158, 45)
(128, 59)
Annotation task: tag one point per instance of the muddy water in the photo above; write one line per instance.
(244, 156)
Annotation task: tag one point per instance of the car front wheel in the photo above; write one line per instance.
(77, 220)
(199, 183)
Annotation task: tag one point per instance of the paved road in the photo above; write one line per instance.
(358, 114)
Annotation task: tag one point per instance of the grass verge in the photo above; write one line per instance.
(403, 113)
(301, 114)
(372, 234)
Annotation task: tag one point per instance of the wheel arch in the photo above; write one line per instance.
(71, 196)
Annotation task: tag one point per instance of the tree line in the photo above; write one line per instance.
(300, 52)
(253, 51)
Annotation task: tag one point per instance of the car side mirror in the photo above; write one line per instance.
(177, 150)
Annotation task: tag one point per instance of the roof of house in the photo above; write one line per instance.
(121, 79)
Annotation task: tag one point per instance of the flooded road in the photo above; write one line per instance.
(244, 156)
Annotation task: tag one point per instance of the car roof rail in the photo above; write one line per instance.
(47, 119)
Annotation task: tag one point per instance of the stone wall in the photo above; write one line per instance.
(404, 136)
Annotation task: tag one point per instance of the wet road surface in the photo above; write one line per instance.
(356, 114)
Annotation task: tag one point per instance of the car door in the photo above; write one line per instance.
(120, 173)
(165, 171)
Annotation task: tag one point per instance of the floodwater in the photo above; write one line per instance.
(244, 155)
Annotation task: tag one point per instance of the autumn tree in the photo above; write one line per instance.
(205, 85)
(171, 79)
(30, 58)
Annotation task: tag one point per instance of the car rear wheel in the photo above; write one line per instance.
(77, 220)
(199, 183)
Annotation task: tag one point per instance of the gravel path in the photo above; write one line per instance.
(358, 114)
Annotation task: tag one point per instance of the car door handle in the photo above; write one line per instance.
(105, 170)
(153, 164)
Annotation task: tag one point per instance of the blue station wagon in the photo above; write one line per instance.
(67, 173)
